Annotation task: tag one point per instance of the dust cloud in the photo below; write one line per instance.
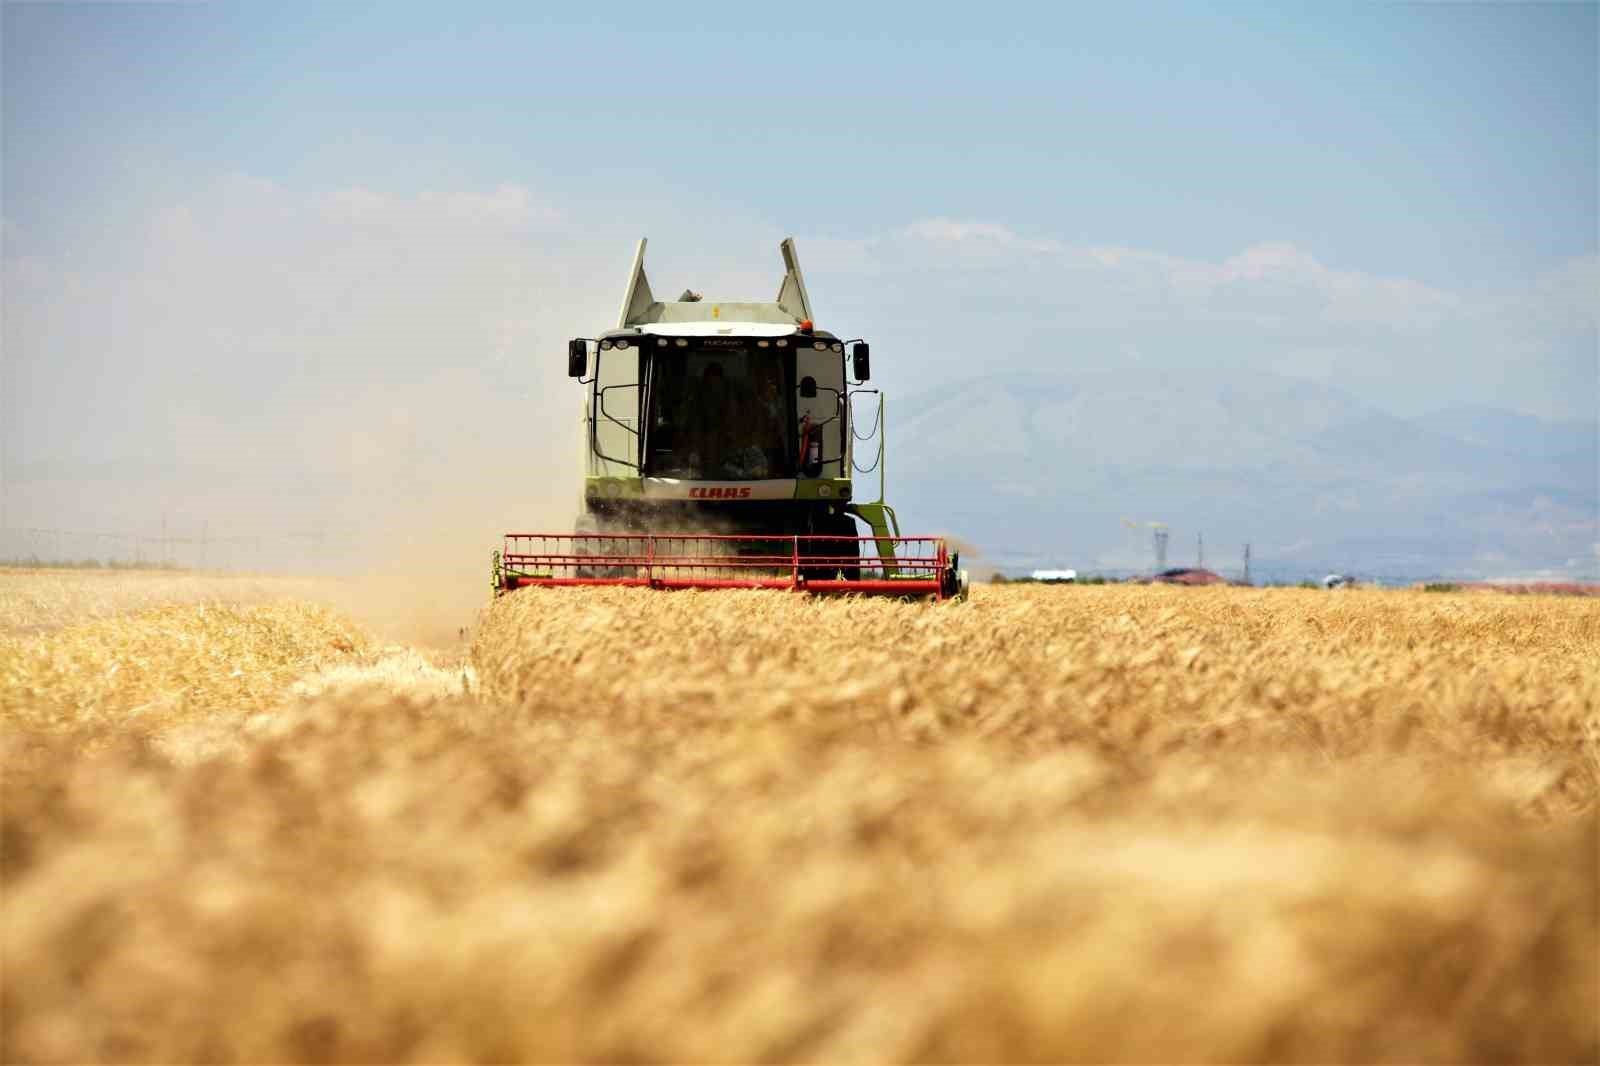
(337, 382)
(433, 497)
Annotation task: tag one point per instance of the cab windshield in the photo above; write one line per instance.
(719, 414)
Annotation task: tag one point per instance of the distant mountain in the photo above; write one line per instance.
(1515, 434)
(1071, 469)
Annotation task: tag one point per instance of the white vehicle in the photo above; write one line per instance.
(1055, 577)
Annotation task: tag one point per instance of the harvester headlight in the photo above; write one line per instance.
(762, 344)
(661, 342)
(820, 346)
(782, 343)
(622, 344)
(681, 342)
(838, 347)
(824, 491)
(605, 346)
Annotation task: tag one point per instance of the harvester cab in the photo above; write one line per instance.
(720, 452)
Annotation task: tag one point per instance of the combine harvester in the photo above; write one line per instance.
(719, 453)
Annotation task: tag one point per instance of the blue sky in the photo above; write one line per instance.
(218, 216)
(1451, 143)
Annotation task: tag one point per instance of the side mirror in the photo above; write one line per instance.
(578, 357)
(808, 388)
(861, 360)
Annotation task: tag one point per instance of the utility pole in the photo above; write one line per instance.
(1200, 551)
(1247, 564)
(1161, 550)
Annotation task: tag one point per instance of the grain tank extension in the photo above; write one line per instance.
(720, 451)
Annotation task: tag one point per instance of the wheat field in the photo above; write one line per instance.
(1136, 824)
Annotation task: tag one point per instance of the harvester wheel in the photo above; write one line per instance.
(843, 527)
(586, 526)
(954, 583)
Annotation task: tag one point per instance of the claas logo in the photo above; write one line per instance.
(719, 492)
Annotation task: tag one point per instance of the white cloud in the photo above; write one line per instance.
(1565, 299)
(507, 205)
(1271, 306)
(259, 340)
(986, 237)
(1275, 283)
(928, 244)
(1265, 285)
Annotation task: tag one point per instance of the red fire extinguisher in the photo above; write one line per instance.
(810, 446)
